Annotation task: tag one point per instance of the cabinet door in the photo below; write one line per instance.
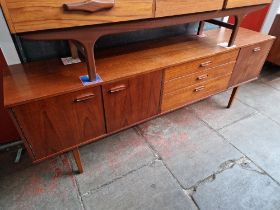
(131, 100)
(249, 63)
(56, 124)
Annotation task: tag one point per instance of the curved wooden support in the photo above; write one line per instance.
(238, 19)
(89, 5)
(89, 54)
(234, 27)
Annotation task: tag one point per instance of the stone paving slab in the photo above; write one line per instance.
(112, 158)
(239, 188)
(214, 112)
(190, 149)
(48, 185)
(261, 97)
(151, 187)
(259, 138)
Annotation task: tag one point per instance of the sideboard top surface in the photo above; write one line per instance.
(42, 79)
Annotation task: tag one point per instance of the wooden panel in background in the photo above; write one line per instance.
(131, 100)
(32, 15)
(179, 7)
(244, 3)
(61, 122)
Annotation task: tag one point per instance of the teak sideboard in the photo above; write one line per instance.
(55, 112)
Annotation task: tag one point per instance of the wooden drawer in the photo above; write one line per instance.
(198, 77)
(243, 3)
(193, 93)
(31, 15)
(250, 62)
(179, 7)
(56, 124)
(200, 64)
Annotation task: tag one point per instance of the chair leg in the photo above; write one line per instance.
(77, 157)
(233, 94)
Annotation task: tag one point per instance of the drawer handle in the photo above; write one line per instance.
(84, 98)
(199, 89)
(257, 49)
(207, 63)
(202, 77)
(89, 5)
(117, 89)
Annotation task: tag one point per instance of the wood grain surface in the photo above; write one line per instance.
(244, 3)
(197, 77)
(55, 124)
(250, 62)
(33, 15)
(200, 64)
(193, 93)
(179, 7)
(131, 100)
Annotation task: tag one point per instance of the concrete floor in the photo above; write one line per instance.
(200, 157)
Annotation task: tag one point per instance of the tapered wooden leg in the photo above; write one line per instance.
(200, 28)
(77, 157)
(233, 94)
(235, 29)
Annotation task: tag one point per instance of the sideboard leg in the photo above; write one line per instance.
(200, 28)
(235, 29)
(90, 59)
(77, 157)
(233, 94)
(73, 50)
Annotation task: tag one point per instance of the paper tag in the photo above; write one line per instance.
(70, 60)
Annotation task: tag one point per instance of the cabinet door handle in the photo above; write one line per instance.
(89, 5)
(199, 89)
(202, 77)
(207, 63)
(257, 49)
(117, 89)
(84, 98)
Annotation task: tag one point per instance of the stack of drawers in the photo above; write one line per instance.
(195, 80)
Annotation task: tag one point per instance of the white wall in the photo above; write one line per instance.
(274, 9)
(6, 43)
